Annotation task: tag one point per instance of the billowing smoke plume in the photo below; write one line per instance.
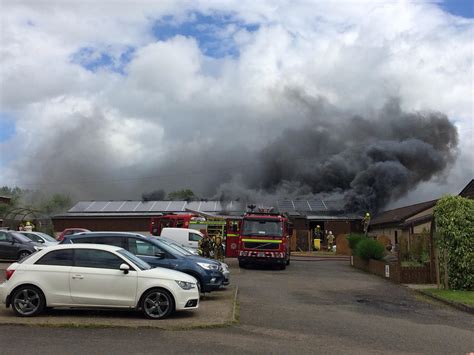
(366, 161)
(311, 150)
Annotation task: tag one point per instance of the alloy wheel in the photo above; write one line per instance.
(157, 304)
(27, 301)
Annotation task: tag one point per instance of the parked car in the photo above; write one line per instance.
(184, 236)
(71, 231)
(75, 276)
(158, 254)
(41, 238)
(15, 246)
(193, 252)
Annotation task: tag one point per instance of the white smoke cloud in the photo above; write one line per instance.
(111, 133)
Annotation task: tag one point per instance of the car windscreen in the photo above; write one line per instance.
(47, 237)
(32, 236)
(137, 261)
(262, 227)
(20, 237)
(167, 247)
(175, 246)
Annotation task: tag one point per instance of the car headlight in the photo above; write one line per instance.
(186, 285)
(208, 266)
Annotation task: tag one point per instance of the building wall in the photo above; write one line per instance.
(124, 224)
(394, 233)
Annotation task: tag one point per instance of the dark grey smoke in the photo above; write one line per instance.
(156, 195)
(311, 150)
(370, 161)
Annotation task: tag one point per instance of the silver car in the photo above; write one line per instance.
(40, 237)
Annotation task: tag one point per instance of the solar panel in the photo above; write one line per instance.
(317, 205)
(194, 205)
(160, 206)
(80, 206)
(113, 206)
(176, 206)
(129, 206)
(97, 206)
(144, 206)
(301, 205)
(204, 206)
(286, 206)
(209, 206)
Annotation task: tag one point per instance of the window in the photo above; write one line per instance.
(33, 237)
(141, 247)
(262, 227)
(100, 259)
(58, 257)
(115, 241)
(4, 237)
(194, 237)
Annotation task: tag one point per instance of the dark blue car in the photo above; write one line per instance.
(207, 272)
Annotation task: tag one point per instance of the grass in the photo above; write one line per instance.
(464, 297)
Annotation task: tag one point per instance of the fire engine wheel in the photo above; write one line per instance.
(242, 264)
(288, 261)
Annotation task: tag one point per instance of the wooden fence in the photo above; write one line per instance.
(394, 271)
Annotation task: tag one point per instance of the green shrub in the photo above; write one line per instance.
(354, 239)
(454, 216)
(370, 249)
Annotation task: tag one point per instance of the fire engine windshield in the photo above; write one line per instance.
(262, 227)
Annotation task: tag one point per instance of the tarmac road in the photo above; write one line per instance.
(312, 307)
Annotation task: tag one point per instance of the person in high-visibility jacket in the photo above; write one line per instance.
(330, 238)
(317, 238)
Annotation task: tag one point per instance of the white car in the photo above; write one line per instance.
(92, 275)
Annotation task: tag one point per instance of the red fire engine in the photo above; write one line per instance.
(228, 227)
(264, 239)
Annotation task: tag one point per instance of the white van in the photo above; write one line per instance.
(186, 237)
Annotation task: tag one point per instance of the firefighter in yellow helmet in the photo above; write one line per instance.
(366, 222)
(28, 227)
(218, 248)
(317, 238)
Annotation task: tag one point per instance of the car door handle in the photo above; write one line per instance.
(80, 277)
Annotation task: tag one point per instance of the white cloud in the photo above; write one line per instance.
(171, 95)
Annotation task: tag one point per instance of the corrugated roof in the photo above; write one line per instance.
(399, 215)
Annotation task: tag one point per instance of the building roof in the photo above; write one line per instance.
(468, 191)
(399, 215)
(156, 207)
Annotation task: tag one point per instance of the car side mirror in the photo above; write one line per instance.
(160, 255)
(125, 268)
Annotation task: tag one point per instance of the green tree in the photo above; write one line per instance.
(55, 204)
(180, 195)
(454, 217)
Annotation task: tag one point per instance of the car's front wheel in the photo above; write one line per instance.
(28, 301)
(157, 304)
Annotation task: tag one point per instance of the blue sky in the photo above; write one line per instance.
(209, 32)
(93, 59)
(7, 127)
(464, 8)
